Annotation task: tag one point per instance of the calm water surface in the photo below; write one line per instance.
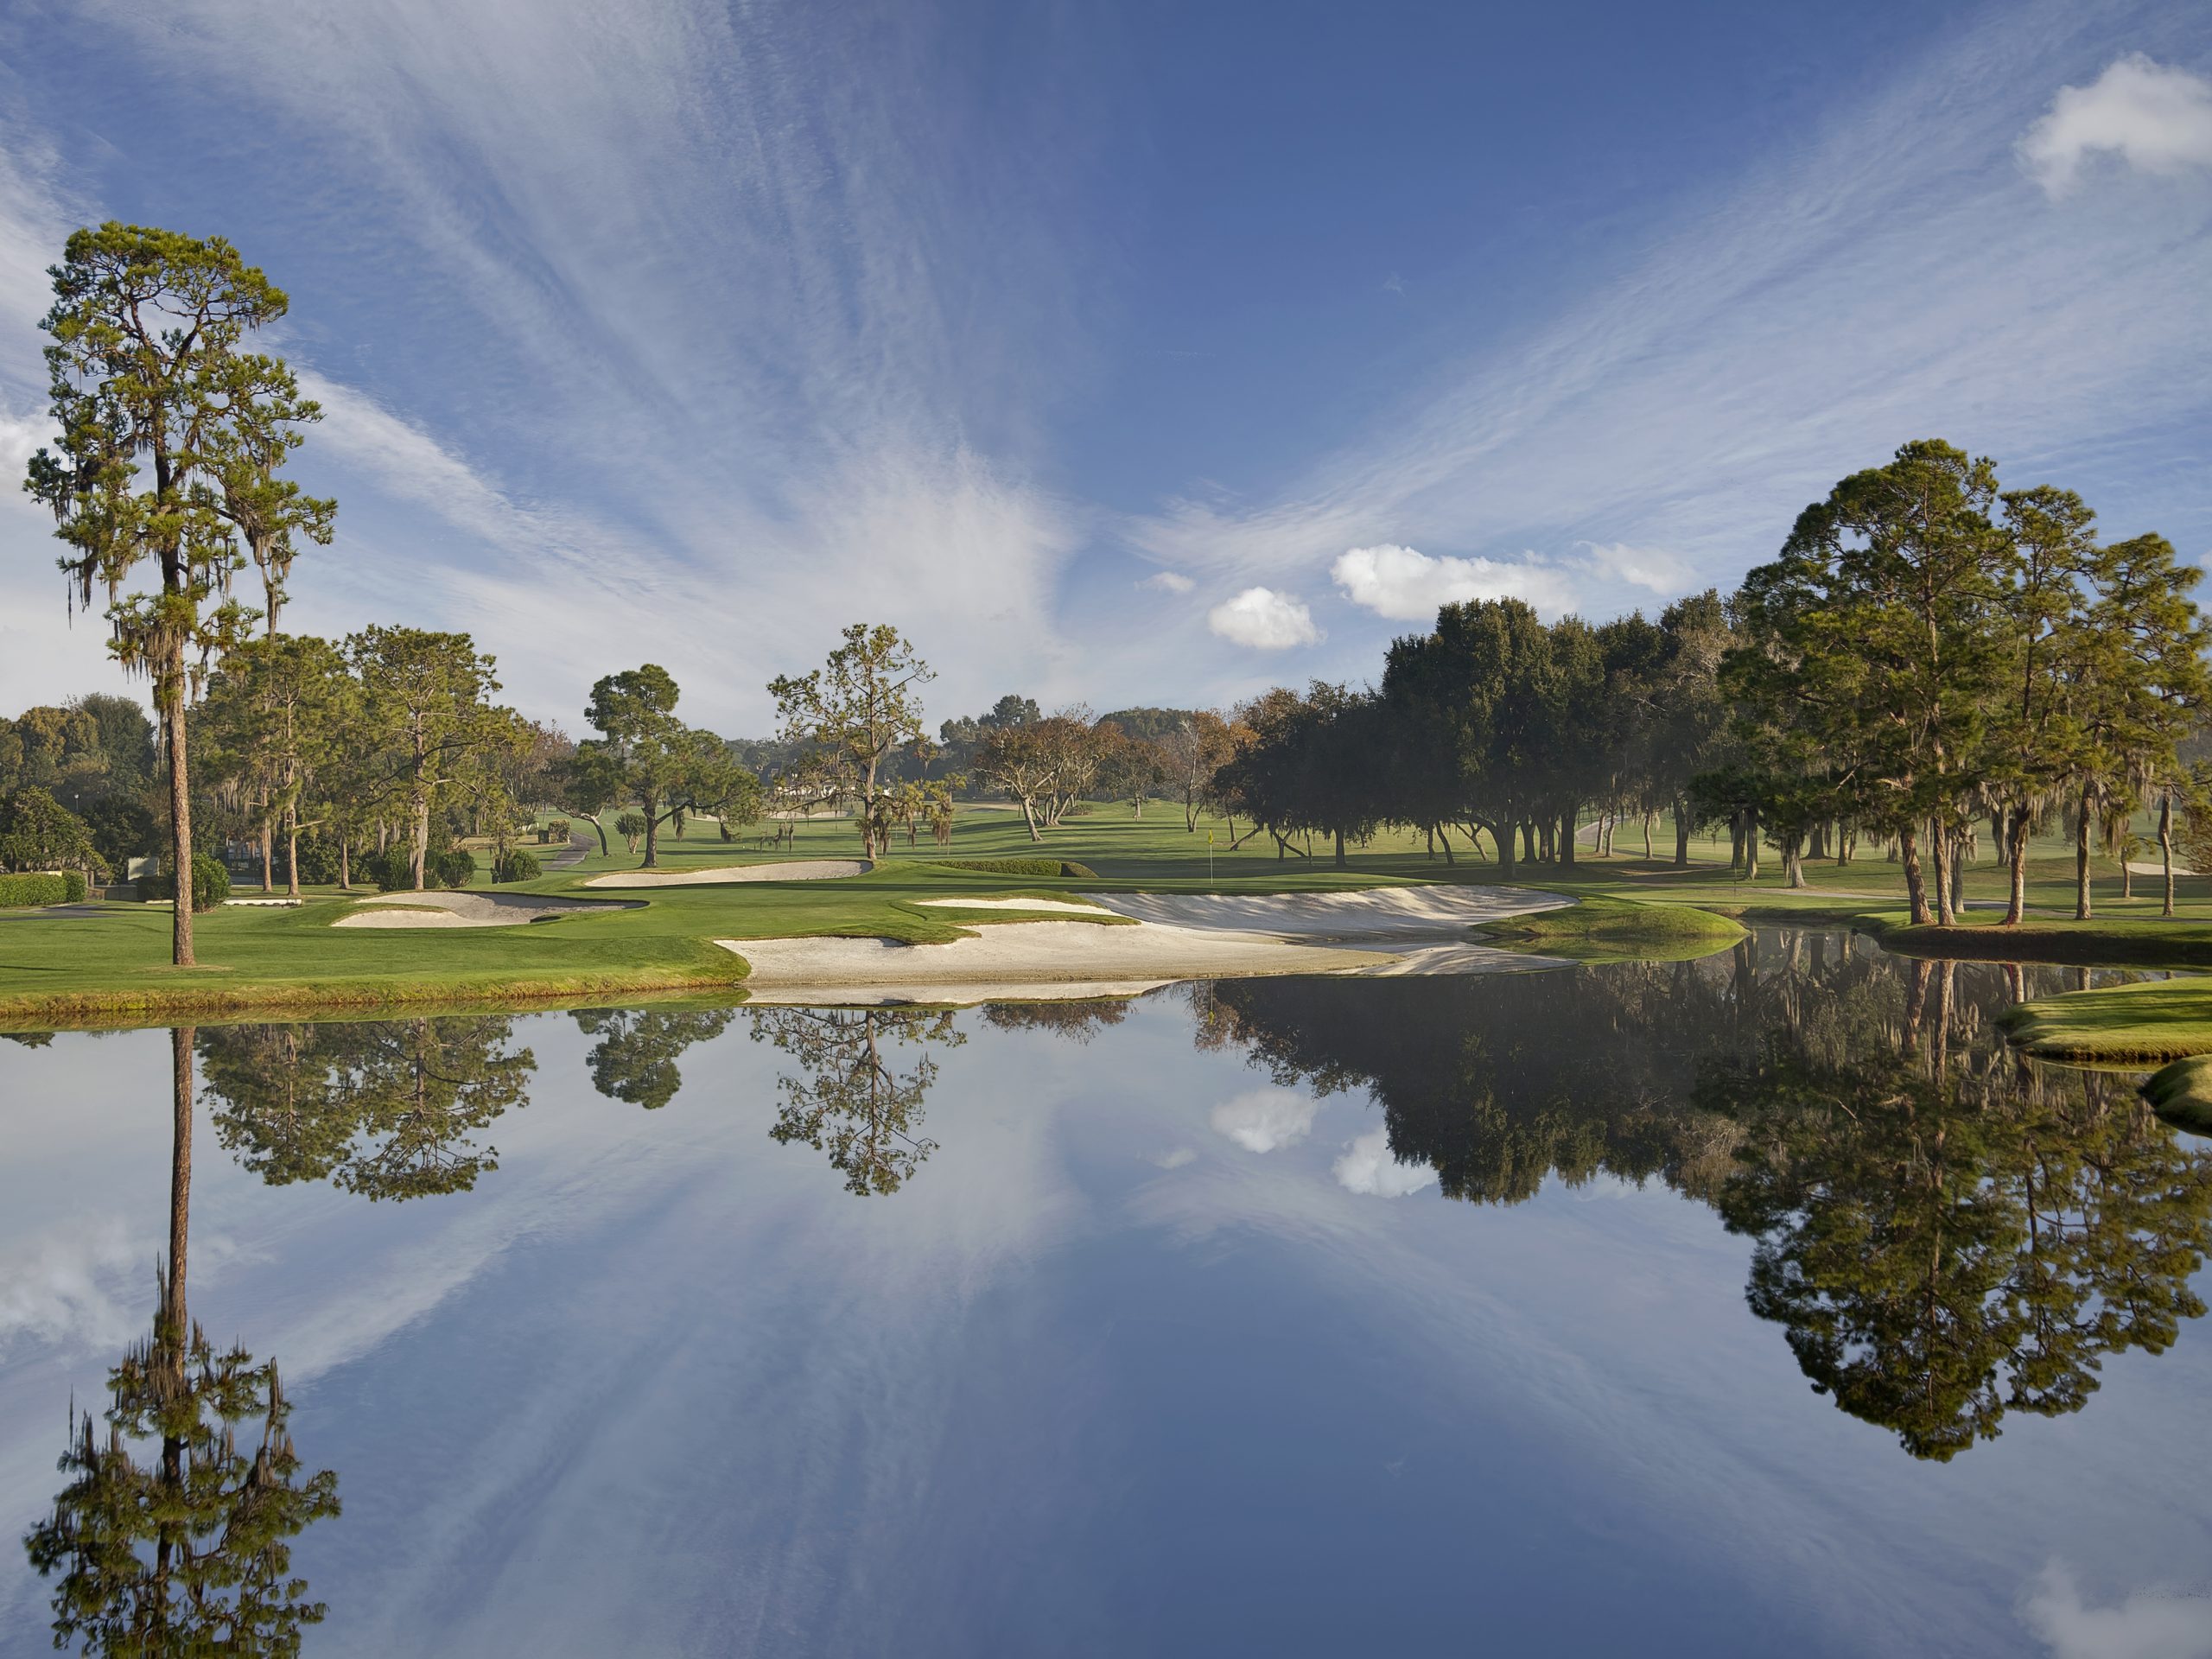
(1762, 1305)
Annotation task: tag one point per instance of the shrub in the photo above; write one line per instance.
(392, 870)
(1022, 867)
(516, 865)
(451, 868)
(21, 892)
(318, 860)
(210, 884)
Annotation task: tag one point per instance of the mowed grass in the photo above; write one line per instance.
(113, 964)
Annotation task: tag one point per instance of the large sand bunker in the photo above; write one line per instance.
(1389, 930)
(797, 869)
(469, 909)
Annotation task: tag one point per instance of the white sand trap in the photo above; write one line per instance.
(1404, 917)
(1387, 930)
(2146, 867)
(467, 910)
(797, 869)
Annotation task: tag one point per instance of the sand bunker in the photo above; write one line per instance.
(1385, 932)
(797, 869)
(1010, 904)
(468, 909)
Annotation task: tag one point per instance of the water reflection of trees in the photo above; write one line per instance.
(385, 1108)
(1945, 1232)
(171, 1537)
(634, 1058)
(849, 1098)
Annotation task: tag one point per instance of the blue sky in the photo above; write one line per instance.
(1128, 354)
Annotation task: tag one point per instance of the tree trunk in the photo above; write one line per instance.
(1527, 842)
(180, 810)
(1915, 883)
(1681, 834)
(1735, 841)
(267, 854)
(1029, 817)
(1750, 846)
(180, 1172)
(1340, 849)
(2082, 907)
(292, 850)
(2166, 851)
(1445, 835)
(1648, 818)
(422, 840)
(1502, 835)
(650, 802)
(1567, 830)
(2015, 861)
(345, 863)
(1793, 861)
(1939, 845)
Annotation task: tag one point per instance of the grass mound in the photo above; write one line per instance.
(1597, 925)
(2181, 1093)
(2147, 1024)
(1057, 867)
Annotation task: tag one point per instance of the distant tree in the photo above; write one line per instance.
(851, 715)
(631, 827)
(645, 754)
(148, 376)
(274, 714)
(1197, 747)
(1130, 768)
(38, 833)
(427, 695)
(1024, 762)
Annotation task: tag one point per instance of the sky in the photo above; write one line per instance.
(1141, 354)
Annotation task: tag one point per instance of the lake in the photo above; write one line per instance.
(1765, 1304)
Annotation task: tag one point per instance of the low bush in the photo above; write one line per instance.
(392, 870)
(451, 868)
(1022, 867)
(210, 884)
(516, 865)
(22, 892)
(318, 860)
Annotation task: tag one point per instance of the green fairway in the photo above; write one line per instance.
(110, 964)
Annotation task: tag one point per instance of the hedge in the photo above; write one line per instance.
(1020, 866)
(210, 884)
(22, 892)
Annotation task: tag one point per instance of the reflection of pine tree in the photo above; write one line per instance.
(382, 1108)
(1947, 1235)
(188, 1550)
(849, 1102)
(635, 1057)
(1077, 1021)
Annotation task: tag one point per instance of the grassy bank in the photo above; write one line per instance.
(110, 963)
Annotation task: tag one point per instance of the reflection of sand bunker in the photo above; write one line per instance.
(468, 909)
(797, 869)
(1383, 932)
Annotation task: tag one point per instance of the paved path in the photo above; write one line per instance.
(580, 843)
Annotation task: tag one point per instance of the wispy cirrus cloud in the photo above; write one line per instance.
(1889, 275)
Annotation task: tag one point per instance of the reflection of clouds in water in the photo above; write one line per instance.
(2142, 1625)
(68, 1288)
(1265, 1119)
(1368, 1167)
(1175, 1160)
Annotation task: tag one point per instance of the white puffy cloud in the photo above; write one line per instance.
(2153, 116)
(2142, 1626)
(1265, 1119)
(1264, 620)
(1409, 585)
(1367, 1168)
(1168, 581)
